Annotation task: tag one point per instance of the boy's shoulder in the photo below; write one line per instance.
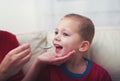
(98, 68)
(94, 66)
(100, 71)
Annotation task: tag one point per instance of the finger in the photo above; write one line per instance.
(19, 65)
(23, 53)
(24, 60)
(57, 63)
(66, 55)
(60, 60)
(20, 48)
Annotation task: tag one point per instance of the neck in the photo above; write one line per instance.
(77, 64)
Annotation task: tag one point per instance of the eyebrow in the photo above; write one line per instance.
(55, 29)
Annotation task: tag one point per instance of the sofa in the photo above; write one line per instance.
(105, 48)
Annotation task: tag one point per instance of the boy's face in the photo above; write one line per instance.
(66, 37)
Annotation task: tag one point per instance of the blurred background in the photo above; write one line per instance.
(21, 16)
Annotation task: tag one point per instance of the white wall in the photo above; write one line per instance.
(44, 13)
(102, 12)
(17, 15)
(21, 16)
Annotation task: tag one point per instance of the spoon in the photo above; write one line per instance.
(46, 47)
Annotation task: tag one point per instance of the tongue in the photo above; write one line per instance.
(58, 50)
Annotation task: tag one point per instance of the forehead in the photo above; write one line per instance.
(68, 23)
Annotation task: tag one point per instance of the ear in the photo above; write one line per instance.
(84, 46)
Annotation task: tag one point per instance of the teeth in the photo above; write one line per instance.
(58, 46)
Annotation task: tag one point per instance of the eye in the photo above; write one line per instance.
(56, 32)
(65, 34)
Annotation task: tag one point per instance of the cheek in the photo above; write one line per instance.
(72, 44)
(69, 46)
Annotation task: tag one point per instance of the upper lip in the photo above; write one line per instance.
(56, 44)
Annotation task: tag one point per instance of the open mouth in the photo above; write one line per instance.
(58, 48)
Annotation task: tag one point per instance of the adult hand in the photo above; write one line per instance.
(46, 58)
(14, 61)
(53, 58)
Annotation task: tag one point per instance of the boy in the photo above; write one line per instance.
(74, 32)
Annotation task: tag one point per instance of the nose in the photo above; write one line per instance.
(57, 37)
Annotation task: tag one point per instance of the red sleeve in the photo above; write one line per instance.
(8, 41)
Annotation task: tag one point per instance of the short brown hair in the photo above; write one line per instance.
(86, 26)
